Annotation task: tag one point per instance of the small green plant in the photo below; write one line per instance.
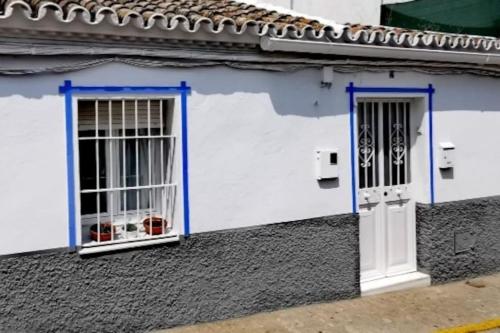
(131, 227)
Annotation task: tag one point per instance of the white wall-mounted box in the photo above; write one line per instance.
(327, 164)
(327, 76)
(446, 155)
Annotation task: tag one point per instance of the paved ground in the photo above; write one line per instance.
(417, 310)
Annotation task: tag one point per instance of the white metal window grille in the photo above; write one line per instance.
(383, 143)
(127, 185)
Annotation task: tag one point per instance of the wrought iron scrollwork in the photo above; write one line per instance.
(366, 146)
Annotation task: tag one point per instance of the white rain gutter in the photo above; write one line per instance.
(372, 51)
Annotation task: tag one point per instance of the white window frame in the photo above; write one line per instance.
(86, 220)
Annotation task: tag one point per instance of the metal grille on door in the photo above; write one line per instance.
(383, 149)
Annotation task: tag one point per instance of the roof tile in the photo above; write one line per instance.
(240, 15)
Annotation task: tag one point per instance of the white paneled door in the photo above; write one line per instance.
(386, 208)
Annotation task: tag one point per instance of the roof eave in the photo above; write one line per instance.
(271, 44)
(52, 27)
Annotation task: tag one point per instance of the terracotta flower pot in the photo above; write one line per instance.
(154, 225)
(104, 232)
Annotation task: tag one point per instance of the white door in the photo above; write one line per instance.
(386, 208)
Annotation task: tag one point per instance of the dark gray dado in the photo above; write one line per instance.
(210, 276)
(459, 239)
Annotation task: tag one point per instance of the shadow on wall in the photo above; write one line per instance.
(329, 184)
(294, 93)
(447, 173)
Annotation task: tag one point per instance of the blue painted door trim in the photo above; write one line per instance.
(68, 90)
(352, 90)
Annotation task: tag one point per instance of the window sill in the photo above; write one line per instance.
(110, 247)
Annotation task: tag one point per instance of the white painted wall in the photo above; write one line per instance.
(340, 11)
(33, 163)
(252, 136)
(469, 116)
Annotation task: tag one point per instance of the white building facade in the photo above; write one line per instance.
(213, 172)
(272, 150)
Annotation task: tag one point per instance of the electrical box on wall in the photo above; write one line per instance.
(327, 164)
(327, 76)
(446, 155)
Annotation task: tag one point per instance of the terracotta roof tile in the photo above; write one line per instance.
(237, 17)
(213, 9)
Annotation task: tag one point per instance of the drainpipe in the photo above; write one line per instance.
(359, 50)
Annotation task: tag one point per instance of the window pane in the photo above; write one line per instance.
(120, 153)
(128, 164)
(86, 118)
(88, 203)
(88, 170)
(88, 160)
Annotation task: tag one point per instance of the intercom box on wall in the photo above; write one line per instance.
(446, 155)
(327, 164)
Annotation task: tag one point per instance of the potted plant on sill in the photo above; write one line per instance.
(131, 230)
(154, 225)
(103, 233)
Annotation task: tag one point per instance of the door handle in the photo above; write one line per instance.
(366, 195)
(398, 191)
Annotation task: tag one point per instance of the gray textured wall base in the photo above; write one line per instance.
(211, 276)
(459, 239)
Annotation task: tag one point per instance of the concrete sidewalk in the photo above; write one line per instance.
(416, 310)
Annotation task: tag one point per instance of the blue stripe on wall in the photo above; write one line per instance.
(70, 165)
(350, 90)
(185, 160)
(431, 142)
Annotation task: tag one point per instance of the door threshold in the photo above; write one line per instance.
(393, 283)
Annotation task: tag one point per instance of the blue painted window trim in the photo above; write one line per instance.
(68, 90)
(352, 90)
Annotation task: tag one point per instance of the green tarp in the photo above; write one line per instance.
(476, 17)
